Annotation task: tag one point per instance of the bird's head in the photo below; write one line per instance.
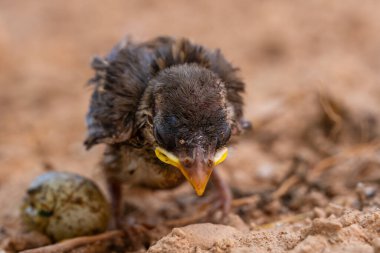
(191, 121)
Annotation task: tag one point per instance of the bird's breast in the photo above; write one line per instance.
(141, 168)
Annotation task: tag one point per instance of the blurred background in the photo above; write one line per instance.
(287, 51)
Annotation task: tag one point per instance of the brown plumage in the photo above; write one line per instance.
(166, 98)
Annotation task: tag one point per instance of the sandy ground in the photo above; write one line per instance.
(305, 180)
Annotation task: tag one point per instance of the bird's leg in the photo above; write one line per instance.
(115, 191)
(220, 199)
(224, 195)
(112, 165)
(136, 234)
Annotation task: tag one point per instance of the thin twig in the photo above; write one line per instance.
(285, 186)
(250, 200)
(71, 244)
(328, 162)
(196, 217)
(287, 220)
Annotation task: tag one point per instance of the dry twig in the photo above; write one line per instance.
(354, 151)
(287, 220)
(71, 244)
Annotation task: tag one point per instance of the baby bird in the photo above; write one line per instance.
(166, 110)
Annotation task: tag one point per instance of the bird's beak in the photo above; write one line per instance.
(198, 174)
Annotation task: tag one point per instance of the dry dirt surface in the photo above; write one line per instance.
(306, 179)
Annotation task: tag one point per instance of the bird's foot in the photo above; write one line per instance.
(137, 236)
(222, 198)
(220, 202)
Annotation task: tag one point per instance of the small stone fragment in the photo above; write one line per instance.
(376, 245)
(325, 226)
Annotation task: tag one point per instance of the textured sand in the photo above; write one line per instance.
(305, 180)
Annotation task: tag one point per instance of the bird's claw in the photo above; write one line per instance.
(137, 236)
(220, 202)
(222, 199)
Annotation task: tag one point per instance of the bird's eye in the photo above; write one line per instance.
(164, 137)
(158, 136)
(224, 137)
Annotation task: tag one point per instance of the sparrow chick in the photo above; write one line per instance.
(166, 110)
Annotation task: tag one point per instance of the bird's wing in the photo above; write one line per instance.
(234, 85)
(119, 83)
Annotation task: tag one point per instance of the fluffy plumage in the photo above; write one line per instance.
(165, 92)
